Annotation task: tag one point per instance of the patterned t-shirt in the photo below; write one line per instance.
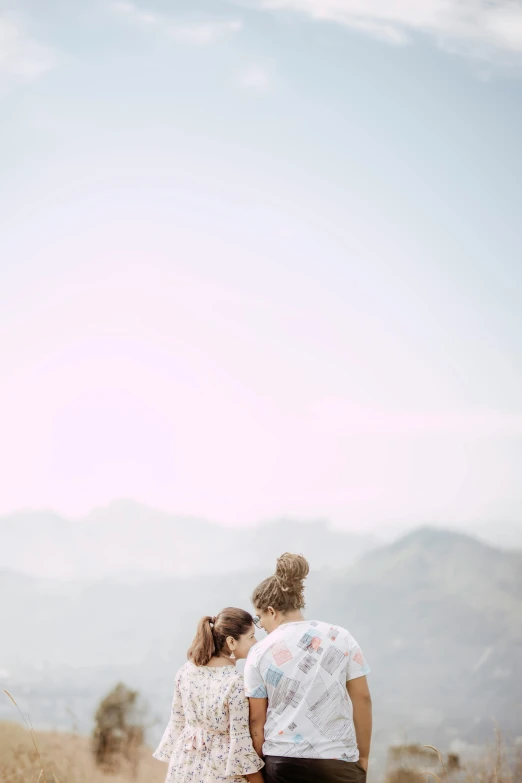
(302, 668)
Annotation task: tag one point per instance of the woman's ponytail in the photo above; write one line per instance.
(203, 647)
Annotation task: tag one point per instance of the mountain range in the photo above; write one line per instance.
(129, 539)
(438, 614)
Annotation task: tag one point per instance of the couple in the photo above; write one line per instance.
(302, 711)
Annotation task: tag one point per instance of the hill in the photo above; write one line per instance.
(441, 616)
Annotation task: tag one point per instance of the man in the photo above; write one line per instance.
(310, 705)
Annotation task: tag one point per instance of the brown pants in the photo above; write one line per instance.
(281, 769)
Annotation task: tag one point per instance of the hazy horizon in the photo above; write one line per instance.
(499, 533)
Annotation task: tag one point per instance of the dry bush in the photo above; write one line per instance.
(119, 730)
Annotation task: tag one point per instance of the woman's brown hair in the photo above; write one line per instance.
(284, 591)
(213, 632)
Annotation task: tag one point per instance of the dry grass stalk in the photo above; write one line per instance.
(436, 750)
(433, 775)
(31, 732)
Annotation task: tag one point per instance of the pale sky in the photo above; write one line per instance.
(262, 258)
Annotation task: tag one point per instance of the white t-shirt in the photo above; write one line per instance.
(302, 668)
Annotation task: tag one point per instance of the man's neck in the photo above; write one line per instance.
(292, 617)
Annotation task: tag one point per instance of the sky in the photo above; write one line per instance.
(262, 259)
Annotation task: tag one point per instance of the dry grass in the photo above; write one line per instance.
(499, 764)
(47, 757)
(62, 758)
(67, 758)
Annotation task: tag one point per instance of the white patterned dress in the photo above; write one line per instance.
(208, 739)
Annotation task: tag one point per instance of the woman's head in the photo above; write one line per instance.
(282, 594)
(230, 632)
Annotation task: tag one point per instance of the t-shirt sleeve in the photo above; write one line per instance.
(255, 687)
(357, 665)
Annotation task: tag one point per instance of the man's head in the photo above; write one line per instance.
(280, 598)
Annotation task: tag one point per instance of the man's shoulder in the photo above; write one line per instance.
(336, 633)
(257, 652)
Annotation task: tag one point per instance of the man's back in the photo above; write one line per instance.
(302, 668)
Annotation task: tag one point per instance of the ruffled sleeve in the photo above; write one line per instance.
(242, 758)
(175, 725)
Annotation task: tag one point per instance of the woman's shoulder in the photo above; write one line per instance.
(228, 673)
(233, 679)
(235, 685)
(184, 670)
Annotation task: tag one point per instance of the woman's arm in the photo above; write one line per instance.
(175, 725)
(258, 709)
(243, 760)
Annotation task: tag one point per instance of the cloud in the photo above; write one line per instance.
(257, 76)
(204, 33)
(134, 14)
(338, 417)
(483, 28)
(22, 59)
(197, 33)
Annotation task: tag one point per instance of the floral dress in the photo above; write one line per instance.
(208, 739)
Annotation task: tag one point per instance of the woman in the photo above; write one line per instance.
(310, 707)
(207, 739)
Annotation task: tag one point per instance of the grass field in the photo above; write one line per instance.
(65, 758)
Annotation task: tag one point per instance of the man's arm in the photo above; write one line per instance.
(258, 709)
(359, 694)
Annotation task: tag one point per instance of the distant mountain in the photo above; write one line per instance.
(126, 537)
(441, 615)
(503, 535)
(507, 535)
(438, 614)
